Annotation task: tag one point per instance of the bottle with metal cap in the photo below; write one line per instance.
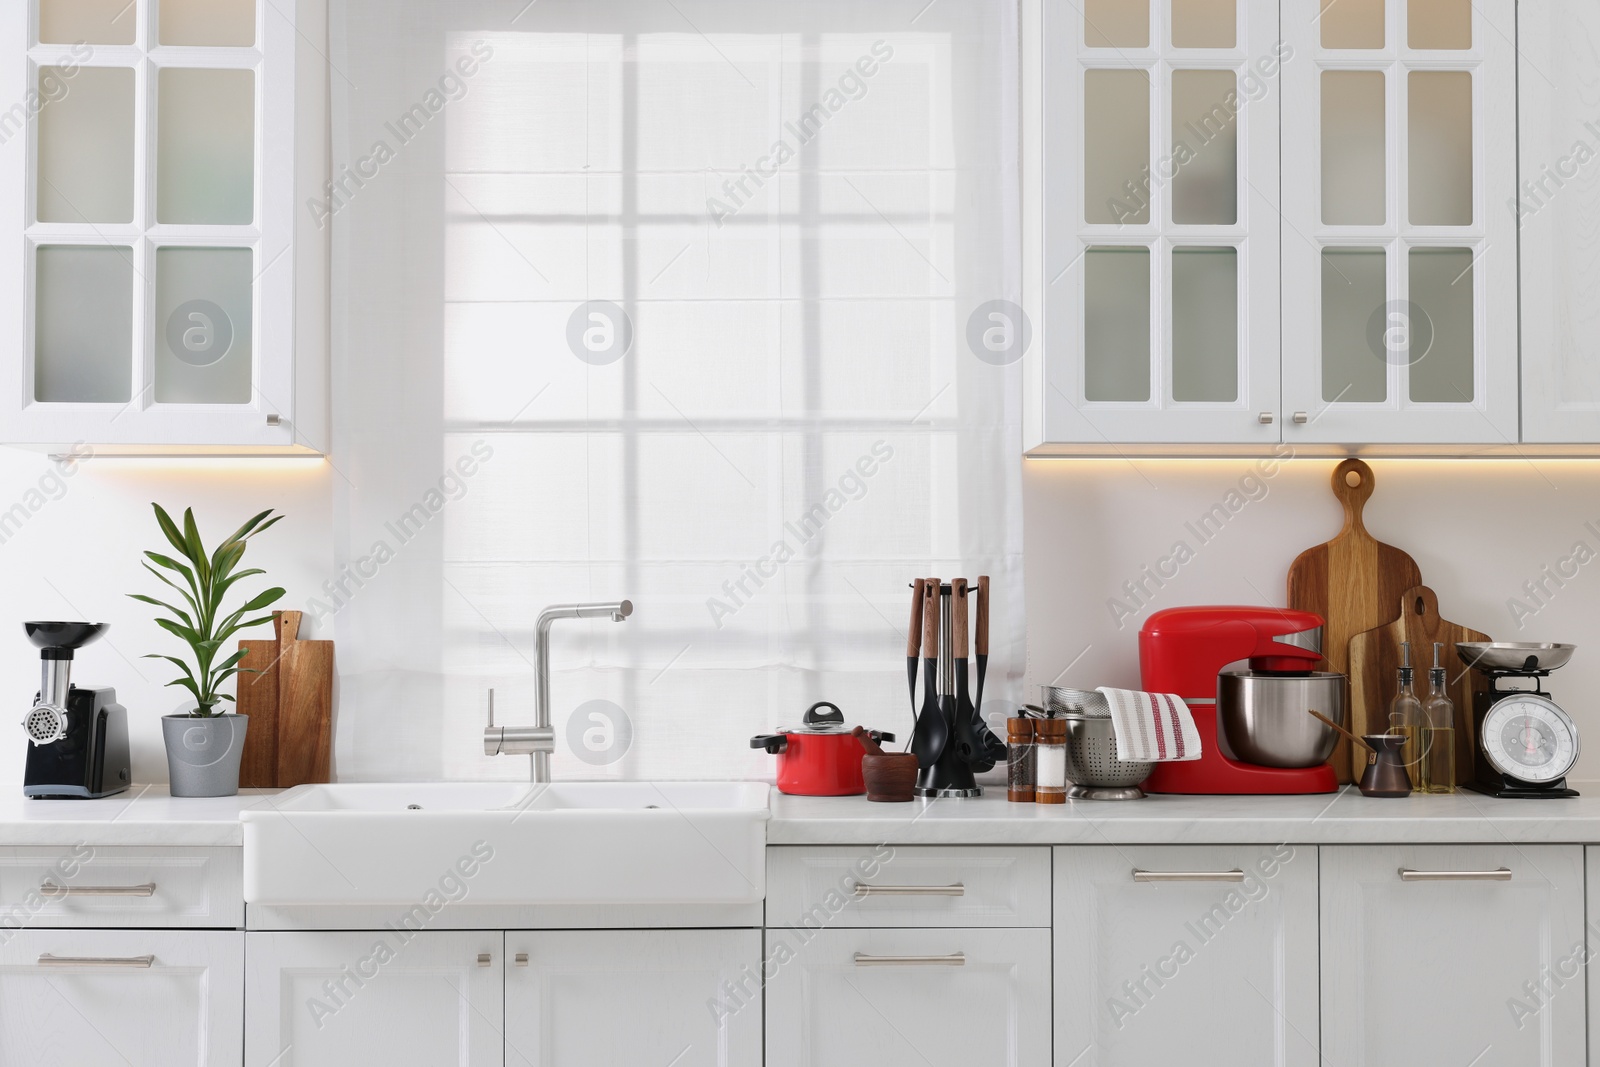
(1438, 733)
(1405, 716)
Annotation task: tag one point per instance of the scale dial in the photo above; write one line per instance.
(1528, 737)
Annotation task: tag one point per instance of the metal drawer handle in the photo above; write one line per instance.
(1234, 875)
(522, 959)
(1502, 874)
(139, 962)
(50, 889)
(864, 890)
(484, 959)
(955, 959)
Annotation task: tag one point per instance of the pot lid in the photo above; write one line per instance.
(817, 721)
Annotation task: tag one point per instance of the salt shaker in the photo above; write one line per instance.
(1050, 753)
(1020, 760)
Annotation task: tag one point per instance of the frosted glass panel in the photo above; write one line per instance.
(94, 21)
(1439, 23)
(208, 22)
(1354, 287)
(203, 325)
(1116, 324)
(83, 325)
(1116, 23)
(1352, 23)
(1440, 148)
(1441, 299)
(1205, 324)
(86, 145)
(1116, 147)
(1353, 151)
(1205, 147)
(205, 166)
(1203, 24)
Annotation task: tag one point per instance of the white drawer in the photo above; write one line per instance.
(900, 885)
(93, 885)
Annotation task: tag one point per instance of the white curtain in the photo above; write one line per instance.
(674, 301)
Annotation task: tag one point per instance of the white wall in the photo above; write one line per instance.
(1477, 529)
(77, 553)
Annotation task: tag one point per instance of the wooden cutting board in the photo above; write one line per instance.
(1354, 582)
(1375, 663)
(290, 741)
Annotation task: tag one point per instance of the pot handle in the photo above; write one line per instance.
(811, 718)
(880, 735)
(773, 743)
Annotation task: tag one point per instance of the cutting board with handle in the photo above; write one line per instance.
(290, 704)
(1354, 582)
(1375, 665)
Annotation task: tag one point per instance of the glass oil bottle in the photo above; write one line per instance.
(1406, 719)
(1438, 734)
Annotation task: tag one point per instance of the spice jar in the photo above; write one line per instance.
(1020, 760)
(1050, 754)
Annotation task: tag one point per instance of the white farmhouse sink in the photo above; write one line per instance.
(509, 843)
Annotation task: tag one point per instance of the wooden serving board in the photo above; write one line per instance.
(290, 741)
(1353, 582)
(1375, 663)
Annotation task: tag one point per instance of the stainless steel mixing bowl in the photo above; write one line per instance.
(1092, 764)
(1514, 655)
(1264, 718)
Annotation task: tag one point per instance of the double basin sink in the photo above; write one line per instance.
(593, 843)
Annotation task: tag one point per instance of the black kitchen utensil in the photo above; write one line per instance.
(913, 640)
(932, 732)
(975, 742)
(980, 637)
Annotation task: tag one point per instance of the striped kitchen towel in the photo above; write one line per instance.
(1152, 727)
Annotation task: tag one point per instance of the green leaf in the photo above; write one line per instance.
(173, 565)
(179, 612)
(224, 561)
(197, 551)
(227, 583)
(170, 528)
(244, 531)
(185, 632)
(231, 660)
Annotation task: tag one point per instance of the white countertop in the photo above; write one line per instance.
(148, 815)
(1346, 817)
(144, 815)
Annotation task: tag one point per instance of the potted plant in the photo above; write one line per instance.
(205, 744)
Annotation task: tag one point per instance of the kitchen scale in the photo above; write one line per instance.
(1526, 742)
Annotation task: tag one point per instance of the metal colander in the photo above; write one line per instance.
(1092, 755)
(1058, 698)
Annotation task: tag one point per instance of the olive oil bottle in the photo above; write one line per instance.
(1438, 734)
(1405, 719)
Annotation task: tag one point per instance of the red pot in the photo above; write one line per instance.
(820, 757)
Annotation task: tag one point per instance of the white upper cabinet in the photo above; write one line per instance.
(1399, 255)
(147, 176)
(1557, 208)
(1160, 214)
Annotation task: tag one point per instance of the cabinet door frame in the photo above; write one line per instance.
(1089, 1003)
(727, 1010)
(1555, 211)
(452, 955)
(1053, 74)
(269, 237)
(216, 956)
(1492, 416)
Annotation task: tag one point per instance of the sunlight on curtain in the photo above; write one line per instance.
(672, 303)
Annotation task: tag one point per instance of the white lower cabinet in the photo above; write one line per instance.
(1160, 949)
(333, 999)
(149, 998)
(908, 997)
(598, 998)
(1464, 954)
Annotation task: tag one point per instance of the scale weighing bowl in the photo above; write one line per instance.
(1514, 655)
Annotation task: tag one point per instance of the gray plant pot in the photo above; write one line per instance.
(203, 754)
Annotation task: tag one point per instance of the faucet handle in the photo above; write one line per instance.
(491, 707)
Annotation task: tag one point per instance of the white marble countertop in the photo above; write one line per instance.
(144, 815)
(148, 815)
(1346, 817)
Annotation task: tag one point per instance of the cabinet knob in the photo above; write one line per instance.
(1301, 418)
(484, 959)
(1265, 418)
(522, 959)
(274, 420)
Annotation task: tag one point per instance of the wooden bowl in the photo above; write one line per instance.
(890, 777)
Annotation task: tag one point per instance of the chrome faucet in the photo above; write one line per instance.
(539, 740)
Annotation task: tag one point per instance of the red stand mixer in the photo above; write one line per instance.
(1272, 745)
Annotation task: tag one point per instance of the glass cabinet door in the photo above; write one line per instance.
(1161, 179)
(152, 248)
(1399, 254)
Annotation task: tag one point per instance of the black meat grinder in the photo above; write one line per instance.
(79, 736)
